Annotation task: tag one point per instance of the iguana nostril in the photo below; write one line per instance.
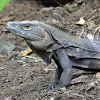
(8, 25)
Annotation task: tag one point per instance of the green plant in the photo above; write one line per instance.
(3, 3)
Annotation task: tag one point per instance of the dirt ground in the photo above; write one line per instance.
(22, 77)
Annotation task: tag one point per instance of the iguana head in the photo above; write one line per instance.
(31, 30)
(36, 35)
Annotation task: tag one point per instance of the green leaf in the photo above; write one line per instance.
(3, 3)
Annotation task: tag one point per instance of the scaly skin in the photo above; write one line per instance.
(66, 49)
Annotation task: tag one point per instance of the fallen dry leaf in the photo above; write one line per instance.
(26, 52)
(96, 29)
(80, 79)
(81, 21)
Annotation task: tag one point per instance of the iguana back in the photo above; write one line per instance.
(84, 41)
(57, 36)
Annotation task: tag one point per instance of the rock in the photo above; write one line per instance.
(98, 76)
(5, 45)
(91, 86)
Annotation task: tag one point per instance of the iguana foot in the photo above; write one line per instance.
(57, 88)
(48, 86)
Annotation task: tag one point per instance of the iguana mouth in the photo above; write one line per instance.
(10, 28)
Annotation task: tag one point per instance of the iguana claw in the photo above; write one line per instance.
(48, 86)
(50, 91)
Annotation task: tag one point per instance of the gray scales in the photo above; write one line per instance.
(51, 40)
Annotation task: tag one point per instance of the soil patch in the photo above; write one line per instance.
(21, 77)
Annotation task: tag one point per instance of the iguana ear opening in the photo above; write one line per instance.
(44, 35)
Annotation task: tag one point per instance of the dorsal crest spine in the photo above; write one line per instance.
(56, 23)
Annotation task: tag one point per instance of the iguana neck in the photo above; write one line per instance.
(40, 50)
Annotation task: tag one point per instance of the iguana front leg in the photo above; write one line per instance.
(63, 72)
(58, 70)
(57, 75)
(66, 66)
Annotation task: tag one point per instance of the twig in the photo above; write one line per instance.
(58, 3)
(68, 13)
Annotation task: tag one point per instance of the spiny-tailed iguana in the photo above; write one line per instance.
(65, 48)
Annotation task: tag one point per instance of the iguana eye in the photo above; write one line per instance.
(27, 27)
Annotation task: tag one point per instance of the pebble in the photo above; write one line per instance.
(52, 98)
(1, 68)
(63, 89)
